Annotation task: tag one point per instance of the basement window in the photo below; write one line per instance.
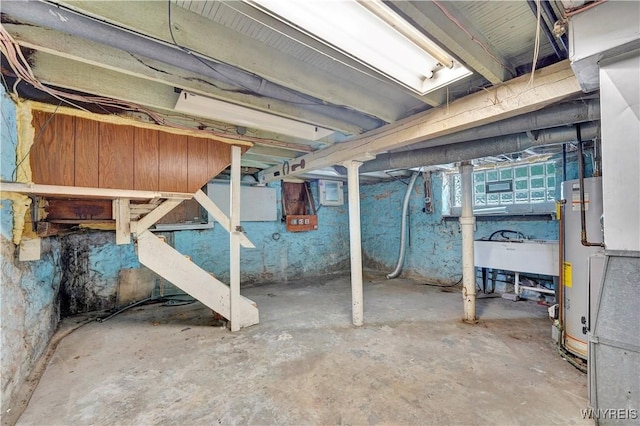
(514, 189)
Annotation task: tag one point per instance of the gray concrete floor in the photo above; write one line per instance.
(414, 362)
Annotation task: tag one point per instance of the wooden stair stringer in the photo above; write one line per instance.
(167, 262)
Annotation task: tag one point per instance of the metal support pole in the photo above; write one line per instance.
(234, 237)
(355, 243)
(467, 225)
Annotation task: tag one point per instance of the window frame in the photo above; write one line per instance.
(506, 202)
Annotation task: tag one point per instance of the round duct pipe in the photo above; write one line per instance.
(463, 151)
(554, 116)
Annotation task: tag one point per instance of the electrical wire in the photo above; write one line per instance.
(536, 47)
(14, 174)
(23, 72)
(506, 231)
(444, 285)
(152, 299)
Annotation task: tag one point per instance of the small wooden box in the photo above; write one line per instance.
(299, 223)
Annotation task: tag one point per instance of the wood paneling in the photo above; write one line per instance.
(172, 156)
(87, 153)
(145, 163)
(116, 156)
(197, 172)
(81, 152)
(219, 158)
(54, 145)
(64, 153)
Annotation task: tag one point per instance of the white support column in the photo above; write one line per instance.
(467, 225)
(235, 232)
(355, 243)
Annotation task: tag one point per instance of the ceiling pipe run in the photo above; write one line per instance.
(70, 22)
(558, 115)
(463, 151)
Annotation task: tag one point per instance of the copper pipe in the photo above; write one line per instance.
(583, 212)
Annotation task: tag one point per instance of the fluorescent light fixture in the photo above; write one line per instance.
(214, 109)
(376, 36)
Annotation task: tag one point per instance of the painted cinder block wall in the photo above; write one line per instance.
(29, 311)
(434, 249)
(279, 255)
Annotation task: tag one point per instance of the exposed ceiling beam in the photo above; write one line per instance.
(518, 96)
(216, 41)
(474, 50)
(79, 76)
(97, 54)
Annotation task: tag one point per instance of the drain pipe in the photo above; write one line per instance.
(403, 231)
(467, 225)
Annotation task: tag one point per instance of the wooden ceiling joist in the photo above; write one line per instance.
(518, 96)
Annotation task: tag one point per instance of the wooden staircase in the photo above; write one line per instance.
(167, 262)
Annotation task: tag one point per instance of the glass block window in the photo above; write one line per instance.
(526, 188)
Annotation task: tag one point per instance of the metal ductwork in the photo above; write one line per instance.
(558, 115)
(462, 151)
(70, 22)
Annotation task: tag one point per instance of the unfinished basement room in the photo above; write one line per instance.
(289, 212)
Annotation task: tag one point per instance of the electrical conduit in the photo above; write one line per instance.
(403, 228)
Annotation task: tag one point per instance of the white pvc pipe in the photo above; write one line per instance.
(403, 227)
(467, 225)
(355, 243)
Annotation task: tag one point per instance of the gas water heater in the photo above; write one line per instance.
(582, 265)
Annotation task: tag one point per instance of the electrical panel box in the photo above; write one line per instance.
(331, 193)
(257, 203)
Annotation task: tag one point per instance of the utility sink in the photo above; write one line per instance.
(529, 256)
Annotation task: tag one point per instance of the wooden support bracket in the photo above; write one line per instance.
(154, 216)
(122, 215)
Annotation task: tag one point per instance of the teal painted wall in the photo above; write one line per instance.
(434, 248)
(280, 257)
(92, 261)
(29, 310)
